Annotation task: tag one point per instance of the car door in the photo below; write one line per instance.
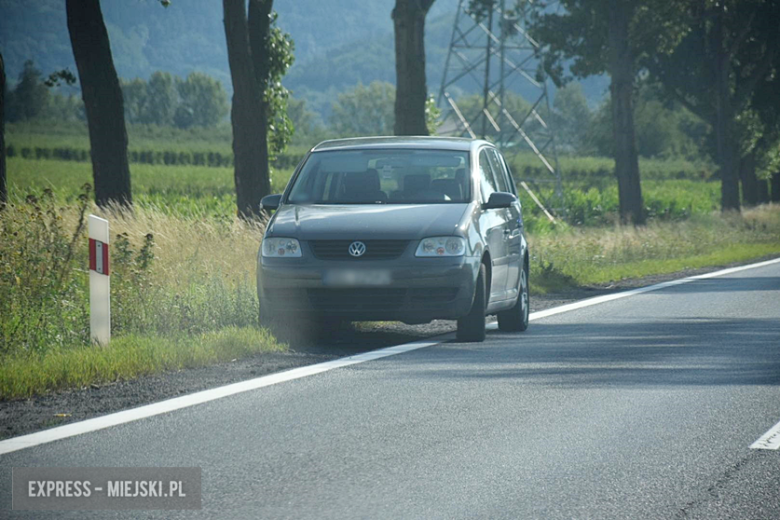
(492, 223)
(514, 223)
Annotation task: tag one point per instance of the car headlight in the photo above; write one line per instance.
(441, 246)
(281, 247)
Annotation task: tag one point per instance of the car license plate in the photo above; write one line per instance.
(351, 277)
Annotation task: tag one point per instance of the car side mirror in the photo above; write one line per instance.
(271, 201)
(499, 200)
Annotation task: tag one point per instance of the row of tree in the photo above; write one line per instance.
(166, 100)
(719, 59)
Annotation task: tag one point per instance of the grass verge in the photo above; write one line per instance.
(586, 256)
(127, 357)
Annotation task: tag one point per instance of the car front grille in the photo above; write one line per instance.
(375, 249)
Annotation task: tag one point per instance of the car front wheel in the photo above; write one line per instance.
(471, 328)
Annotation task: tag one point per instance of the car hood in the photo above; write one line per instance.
(387, 221)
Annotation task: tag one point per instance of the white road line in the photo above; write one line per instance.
(178, 403)
(769, 441)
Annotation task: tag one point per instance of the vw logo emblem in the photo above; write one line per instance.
(357, 249)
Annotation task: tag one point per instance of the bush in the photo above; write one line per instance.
(41, 288)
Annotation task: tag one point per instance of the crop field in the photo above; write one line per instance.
(192, 191)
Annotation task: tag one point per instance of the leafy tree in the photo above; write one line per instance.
(612, 36)
(301, 118)
(763, 103)
(202, 101)
(30, 96)
(728, 52)
(409, 26)
(134, 97)
(308, 125)
(102, 102)
(259, 55)
(663, 129)
(572, 118)
(364, 110)
(161, 100)
(272, 52)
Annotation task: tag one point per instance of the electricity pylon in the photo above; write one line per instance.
(491, 50)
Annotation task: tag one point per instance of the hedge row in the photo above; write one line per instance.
(596, 170)
(171, 158)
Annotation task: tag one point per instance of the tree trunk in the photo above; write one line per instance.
(102, 102)
(775, 181)
(411, 90)
(749, 180)
(250, 148)
(727, 155)
(621, 69)
(3, 183)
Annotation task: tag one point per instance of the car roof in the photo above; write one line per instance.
(415, 142)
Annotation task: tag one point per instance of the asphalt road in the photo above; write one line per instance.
(642, 407)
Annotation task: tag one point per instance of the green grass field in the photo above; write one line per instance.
(195, 191)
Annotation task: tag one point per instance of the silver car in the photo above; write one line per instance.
(394, 228)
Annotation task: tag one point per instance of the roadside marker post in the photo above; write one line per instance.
(99, 281)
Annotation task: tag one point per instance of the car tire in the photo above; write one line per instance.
(516, 318)
(471, 327)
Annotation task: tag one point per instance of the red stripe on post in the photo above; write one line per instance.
(93, 259)
(92, 254)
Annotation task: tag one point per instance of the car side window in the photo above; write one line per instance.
(501, 181)
(487, 182)
(503, 167)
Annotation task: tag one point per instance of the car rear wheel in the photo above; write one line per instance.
(516, 318)
(471, 328)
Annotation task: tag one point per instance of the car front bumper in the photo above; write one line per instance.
(413, 290)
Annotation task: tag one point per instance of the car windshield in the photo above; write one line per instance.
(396, 176)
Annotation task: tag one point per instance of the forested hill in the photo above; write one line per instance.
(337, 42)
(186, 36)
